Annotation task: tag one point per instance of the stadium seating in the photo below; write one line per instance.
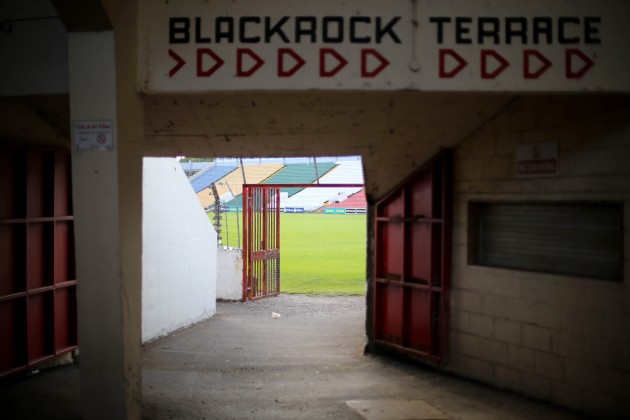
(309, 199)
(236, 201)
(299, 173)
(254, 174)
(206, 179)
(356, 201)
(313, 198)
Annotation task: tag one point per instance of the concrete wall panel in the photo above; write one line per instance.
(565, 336)
(230, 274)
(179, 252)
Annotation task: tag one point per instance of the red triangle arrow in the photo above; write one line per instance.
(383, 62)
(258, 62)
(461, 63)
(218, 62)
(503, 64)
(299, 62)
(527, 64)
(569, 69)
(178, 65)
(341, 62)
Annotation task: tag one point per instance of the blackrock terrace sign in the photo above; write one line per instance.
(430, 45)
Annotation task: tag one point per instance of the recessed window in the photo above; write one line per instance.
(574, 239)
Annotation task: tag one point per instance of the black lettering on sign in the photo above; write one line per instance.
(515, 27)
(309, 29)
(591, 32)
(518, 30)
(462, 30)
(542, 26)
(242, 30)
(198, 38)
(440, 21)
(276, 29)
(328, 23)
(354, 38)
(224, 29)
(563, 28)
(488, 27)
(387, 30)
(305, 26)
(178, 30)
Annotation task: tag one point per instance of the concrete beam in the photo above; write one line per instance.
(82, 15)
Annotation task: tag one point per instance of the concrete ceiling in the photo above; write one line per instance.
(395, 132)
(36, 120)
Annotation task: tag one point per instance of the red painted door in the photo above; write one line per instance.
(412, 272)
(261, 241)
(38, 309)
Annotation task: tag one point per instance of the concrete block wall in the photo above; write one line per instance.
(179, 252)
(557, 338)
(230, 274)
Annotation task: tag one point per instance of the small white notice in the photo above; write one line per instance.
(93, 134)
(537, 160)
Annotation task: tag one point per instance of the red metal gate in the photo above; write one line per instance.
(261, 241)
(261, 237)
(38, 309)
(412, 262)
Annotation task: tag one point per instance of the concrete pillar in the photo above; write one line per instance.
(107, 190)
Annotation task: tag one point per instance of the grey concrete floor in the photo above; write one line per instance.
(245, 364)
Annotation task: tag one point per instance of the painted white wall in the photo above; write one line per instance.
(179, 252)
(230, 274)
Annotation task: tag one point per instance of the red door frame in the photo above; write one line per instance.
(261, 237)
(38, 307)
(412, 263)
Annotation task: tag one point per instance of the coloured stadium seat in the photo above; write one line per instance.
(299, 173)
(254, 174)
(313, 198)
(206, 179)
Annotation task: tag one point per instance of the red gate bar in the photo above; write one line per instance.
(261, 245)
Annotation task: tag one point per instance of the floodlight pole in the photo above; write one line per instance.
(243, 170)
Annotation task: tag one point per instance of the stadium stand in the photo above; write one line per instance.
(299, 173)
(204, 180)
(235, 202)
(208, 178)
(254, 174)
(313, 198)
(192, 168)
(357, 201)
(224, 172)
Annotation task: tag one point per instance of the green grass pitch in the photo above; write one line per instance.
(319, 253)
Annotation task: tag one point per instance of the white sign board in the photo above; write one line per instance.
(515, 45)
(276, 44)
(537, 160)
(429, 45)
(93, 134)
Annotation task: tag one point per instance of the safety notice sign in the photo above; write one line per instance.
(93, 134)
(537, 160)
